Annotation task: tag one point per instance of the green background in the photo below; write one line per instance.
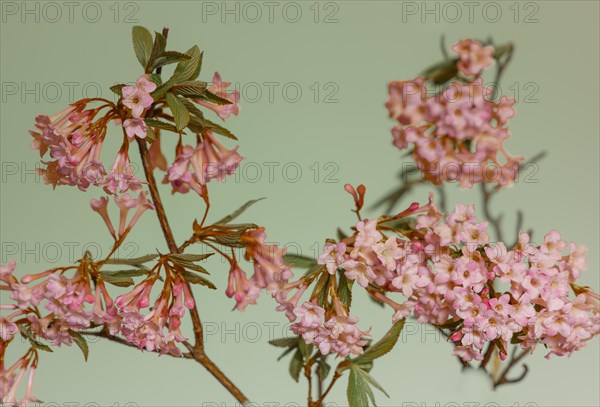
(369, 45)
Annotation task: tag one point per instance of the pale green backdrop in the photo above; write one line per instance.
(350, 50)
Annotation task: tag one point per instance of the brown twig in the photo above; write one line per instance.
(197, 350)
(503, 379)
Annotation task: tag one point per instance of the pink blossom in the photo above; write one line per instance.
(219, 88)
(333, 256)
(473, 57)
(135, 127)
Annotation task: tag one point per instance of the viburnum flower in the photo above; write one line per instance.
(219, 88)
(137, 98)
(473, 56)
(74, 139)
(135, 127)
(209, 160)
(456, 135)
(450, 281)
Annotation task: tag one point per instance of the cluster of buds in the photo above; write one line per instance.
(456, 135)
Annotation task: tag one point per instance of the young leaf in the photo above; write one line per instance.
(133, 261)
(285, 342)
(161, 125)
(81, 342)
(296, 365)
(238, 211)
(168, 57)
(162, 90)
(189, 70)
(160, 43)
(305, 348)
(192, 266)
(299, 260)
(358, 391)
(118, 89)
(119, 280)
(191, 107)
(196, 279)
(188, 257)
(383, 346)
(370, 380)
(324, 369)
(180, 113)
(125, 273)
(27, 334)
(212, 98)
(218, 129)
(191, 89)
(142, 44)
(345, 291)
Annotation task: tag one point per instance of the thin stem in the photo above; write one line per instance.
(503, 379)
(198, 349)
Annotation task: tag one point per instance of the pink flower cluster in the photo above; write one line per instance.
(454, 278)
(193, 167)
(271, 273)
(333, 331)
(219, 88)
(83, 301)
(125, 203)
(330, 333)
(458, 134)
(74, 139)
(473, 57)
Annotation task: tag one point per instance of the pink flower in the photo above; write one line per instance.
(137, 98)
(101, 207)
(389, 252)
(359, 271)
(473, 57)
(219, 88)
(144, 83)
(135, 127)
(333, 256)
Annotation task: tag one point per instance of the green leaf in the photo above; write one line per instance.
(218, 129)
(371, 380)
(345, 291)
(238, 211)
(180, 113)
(161, 125)
(160, 43)
(196, 279)
(359, 387)
(208, 96)
(192, 266)
(324, 369)
(118, 89)
(119, 280)
(358, 391)
(285, 342)
(81, 342)
(383, 346)
(296, 365)
(142, 44)
(161, 90)
(133, 261)
(188, 257)
(299, 260)
(191, 107)
(125, 273)
(27, 334)
(191, 89)
(169, 57)
(305, 348)
(189, 70)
